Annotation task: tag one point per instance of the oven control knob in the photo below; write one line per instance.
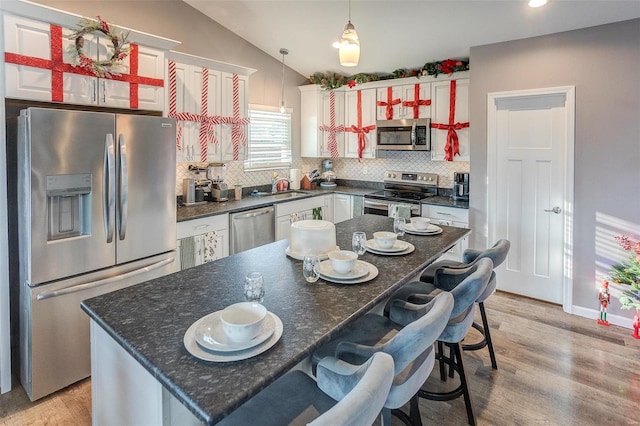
(420, 177)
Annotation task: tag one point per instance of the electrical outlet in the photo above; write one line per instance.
(365, 170)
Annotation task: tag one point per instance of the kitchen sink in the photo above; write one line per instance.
(279, 195)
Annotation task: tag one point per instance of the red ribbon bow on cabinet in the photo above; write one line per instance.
(332, 128)
(389, 104)
(359, 130)
(416, 102)
(452, 146)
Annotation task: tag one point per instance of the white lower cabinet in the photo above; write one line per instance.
(202, 240)
(327, 209)
(449, 216)
(342, 208)
(287, 213)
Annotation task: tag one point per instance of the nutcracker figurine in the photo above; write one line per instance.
(636, 326)
(605, 298)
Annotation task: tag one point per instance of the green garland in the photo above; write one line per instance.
(330, 80)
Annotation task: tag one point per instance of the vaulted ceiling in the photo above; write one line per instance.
(399, 33)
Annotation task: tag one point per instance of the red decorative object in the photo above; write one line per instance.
(452, 146)
(605, 298)
(416, 102)
(332, 128)
(58, 67)
(351, 84)
(359, 130)
(389, 104)
(636, 326)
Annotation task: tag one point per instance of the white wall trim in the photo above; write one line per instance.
(492, 184)
(5, 329)
(593, 314)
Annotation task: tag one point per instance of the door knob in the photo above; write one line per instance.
(555, 210)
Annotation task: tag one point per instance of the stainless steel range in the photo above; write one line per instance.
(402, 188)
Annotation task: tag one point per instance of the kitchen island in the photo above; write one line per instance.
(141, 371)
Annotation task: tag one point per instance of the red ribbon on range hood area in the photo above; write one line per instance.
(416, 102)
(332, 128)
(452, 146)
(359, 130)
(389, 104)
(58, 67)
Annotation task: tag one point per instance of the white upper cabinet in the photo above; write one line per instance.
(442, 93)
(412, 106)
(211, 105)
(427, 97)
(322, 122)
(389, 102)
(38, 64)
(360, 123)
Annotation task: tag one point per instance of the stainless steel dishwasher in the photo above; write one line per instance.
(252, 228)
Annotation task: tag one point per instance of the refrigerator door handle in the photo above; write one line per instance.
(98, 283)
(108, 188)
(124, 187)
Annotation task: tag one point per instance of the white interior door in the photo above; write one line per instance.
(530, 189)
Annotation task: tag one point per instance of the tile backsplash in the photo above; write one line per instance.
(345, 168)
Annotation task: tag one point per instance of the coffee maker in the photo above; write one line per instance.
(328, 174)
(219, 189)
(460, 190)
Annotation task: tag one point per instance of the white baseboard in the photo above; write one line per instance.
(593, 314)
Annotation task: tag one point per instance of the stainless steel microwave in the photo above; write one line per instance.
(404, 135)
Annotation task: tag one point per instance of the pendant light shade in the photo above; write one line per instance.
(349, 44)
(283, 52)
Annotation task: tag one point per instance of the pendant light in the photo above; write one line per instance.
(349, 44)
(283, 52)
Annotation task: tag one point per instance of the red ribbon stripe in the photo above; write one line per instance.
(452, 147)
(389, 104)
(359, 129)
(416, 102)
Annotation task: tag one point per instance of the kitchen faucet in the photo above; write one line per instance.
(274, 183)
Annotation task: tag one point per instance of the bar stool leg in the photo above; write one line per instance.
(486, 334)
(471, 417)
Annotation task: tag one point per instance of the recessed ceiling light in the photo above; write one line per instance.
(537, 3)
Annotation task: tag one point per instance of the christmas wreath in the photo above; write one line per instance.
(119, 48)
(331, 81)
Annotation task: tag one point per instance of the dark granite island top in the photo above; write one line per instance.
(149, 320)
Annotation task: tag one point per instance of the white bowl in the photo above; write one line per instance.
(242, 321)
(420, 223)
(343, 261)
(385, 239)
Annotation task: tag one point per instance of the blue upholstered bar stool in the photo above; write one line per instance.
(345, 394)
(497, 254)
(408, 337)
(467, 284)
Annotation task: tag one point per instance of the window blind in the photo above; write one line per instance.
(269, 138)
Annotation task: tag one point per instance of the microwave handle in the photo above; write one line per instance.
(414, 136)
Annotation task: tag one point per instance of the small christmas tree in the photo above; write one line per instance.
(628, 272)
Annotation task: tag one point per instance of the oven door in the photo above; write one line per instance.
(380, 207)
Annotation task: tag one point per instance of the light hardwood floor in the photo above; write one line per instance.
(553, 369)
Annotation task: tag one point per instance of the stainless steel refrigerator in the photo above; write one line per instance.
(96, 200)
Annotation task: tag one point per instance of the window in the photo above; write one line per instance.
(269, 138)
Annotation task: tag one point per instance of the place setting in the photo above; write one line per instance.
(421, 226)
(342, 266)
(240, 331)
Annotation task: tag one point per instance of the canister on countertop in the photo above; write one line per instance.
(238, 192)
(295, 176)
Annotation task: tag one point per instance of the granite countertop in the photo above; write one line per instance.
(149, 320)
(248, 202)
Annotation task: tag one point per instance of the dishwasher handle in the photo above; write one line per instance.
(268, 210)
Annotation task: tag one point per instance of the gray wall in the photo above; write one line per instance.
(201, 36)
(604, 65)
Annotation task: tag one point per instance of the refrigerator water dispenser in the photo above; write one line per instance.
(69, 205)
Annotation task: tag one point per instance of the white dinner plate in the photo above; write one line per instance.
(204, 354)
(359, 270)
(210, 334)
(373, 272)
(409, 249)
(431, 230)
(397, 246)
(298, 256)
